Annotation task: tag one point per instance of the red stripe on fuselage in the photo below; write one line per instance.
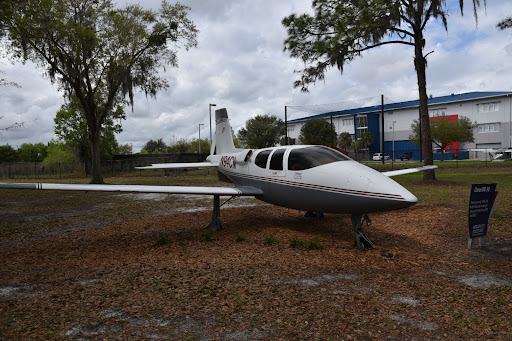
(314, 187)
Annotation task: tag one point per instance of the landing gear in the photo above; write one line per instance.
(215, 224)
(362, 240)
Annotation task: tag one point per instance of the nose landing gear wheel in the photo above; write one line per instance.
(362, 240)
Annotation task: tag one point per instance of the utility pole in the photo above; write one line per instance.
(286, 124)
(382, 127)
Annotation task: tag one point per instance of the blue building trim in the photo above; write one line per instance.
(402, 147)
(374, 129)
(410, 104)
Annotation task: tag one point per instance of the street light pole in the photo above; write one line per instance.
(211, 105)
(200, 124)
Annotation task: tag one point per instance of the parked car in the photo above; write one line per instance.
(406, 156)
(378, 156)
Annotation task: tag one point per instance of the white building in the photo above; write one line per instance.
(491, 111)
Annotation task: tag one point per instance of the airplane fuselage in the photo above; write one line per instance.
(313, 178)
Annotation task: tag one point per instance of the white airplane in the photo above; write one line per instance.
(314, 179)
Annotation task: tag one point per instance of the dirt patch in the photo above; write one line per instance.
(495, 249)
(147, 276)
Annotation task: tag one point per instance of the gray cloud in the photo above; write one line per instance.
(240, 64)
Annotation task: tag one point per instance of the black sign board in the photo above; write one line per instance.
(481, 201)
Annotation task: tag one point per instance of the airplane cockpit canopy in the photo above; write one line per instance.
(314, 156)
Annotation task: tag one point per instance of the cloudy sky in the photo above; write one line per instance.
(240, 65)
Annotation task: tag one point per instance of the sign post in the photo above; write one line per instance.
(481, 204)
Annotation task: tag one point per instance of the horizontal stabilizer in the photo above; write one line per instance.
(227, 191)
(180, 165)
(408, 170)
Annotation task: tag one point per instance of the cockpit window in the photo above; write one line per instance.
(309, 157)
(276, 162)
(261, 158)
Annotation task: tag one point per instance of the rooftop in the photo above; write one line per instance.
(411, 104)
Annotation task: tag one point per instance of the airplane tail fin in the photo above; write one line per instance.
(223, 140)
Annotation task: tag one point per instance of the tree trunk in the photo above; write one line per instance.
(94, 137)
(421, 65)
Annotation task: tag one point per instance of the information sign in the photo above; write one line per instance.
(481, 202)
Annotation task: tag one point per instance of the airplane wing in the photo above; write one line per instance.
(227, 191)
(180, 165)
(407, 171)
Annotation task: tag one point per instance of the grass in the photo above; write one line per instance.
(186, 236)
(271, 240)
(453, 186)
(312, 244)
(209, 236)
(161, 239)
(297, 243)
(241, 237)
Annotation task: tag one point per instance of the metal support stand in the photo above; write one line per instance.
(480, 242)
(362, 240)
(215, 224)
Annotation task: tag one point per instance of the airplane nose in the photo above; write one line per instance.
(403, 198)
(409, 197)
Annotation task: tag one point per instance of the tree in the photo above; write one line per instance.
(345, 140)
(505, 23)
(29, 152)
(362, 143)
(445, 132)
(8, 153)
(341, 30)
(71, 127)
(317, 131)
(180, 146)
(155, 147)
(58, 151)
(5, 82)
(194, 146)
(124, 149)
(261, 131)
(97, 52)
(366, 139)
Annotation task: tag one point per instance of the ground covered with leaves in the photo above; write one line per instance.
(81, 266)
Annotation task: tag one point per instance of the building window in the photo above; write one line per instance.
(348, 122)
(361, 125)
(489, 128)
(291, 128)
(487, 107)
(437, 112)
